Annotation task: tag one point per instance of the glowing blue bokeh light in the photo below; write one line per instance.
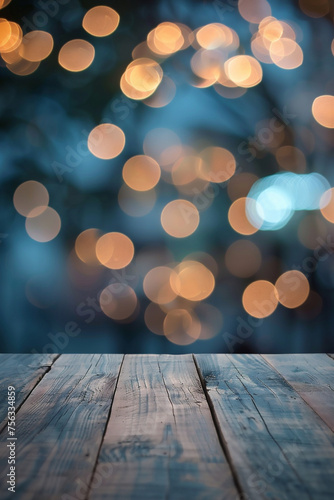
(278, 196)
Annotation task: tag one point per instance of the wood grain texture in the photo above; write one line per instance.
(279, 448)
(60, 427)
(312, 376)
(161, 440)
(23, 371)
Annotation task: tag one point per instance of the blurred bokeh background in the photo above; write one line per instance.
(166, 174)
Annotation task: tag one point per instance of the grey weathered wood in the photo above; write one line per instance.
(160, 439)
(60, 427)
(312, 376)
(330, 355)
(23, 371)
(279, 448)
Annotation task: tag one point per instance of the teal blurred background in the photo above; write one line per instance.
(49, 301)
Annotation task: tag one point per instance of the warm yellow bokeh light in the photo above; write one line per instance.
(207, 64)
(106, 141)
(76, 55)
(201, 83)
(141, 78)
(168, 37)
(22, 67)
(180, 218)
(186, 169)
(115, 250)
(215, 35)
(100, 21)
(157, 285)
(192, 280)
(286, 53)
(43, 227)
(204, 258)
(254, 11)
(14, 40)
(244, 71)
(165, 39)
(163, 95)
(131, 92)
(12, 57)
(85, 245)
(141, 173)
(271, 31)
(118, 301)
(243, 258)
(238, 69)
(29, 196)
(36, 46)
(260, 49)
(181, 327)
(226, 83)
(260, 299)
(238, 219)
(5, 32)
(327, 205)
(323, 110)
(288, 30)
(188, 35)
(218, 164)
(4, 3)
(292, 288)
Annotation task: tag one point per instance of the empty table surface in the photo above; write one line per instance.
(162, 427)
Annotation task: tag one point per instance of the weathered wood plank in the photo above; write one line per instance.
(279, 447)
(330, 355)
(60, 427)
(312, 376)
(23, 371)
(161, 440)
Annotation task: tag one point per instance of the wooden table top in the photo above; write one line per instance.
(162, 427)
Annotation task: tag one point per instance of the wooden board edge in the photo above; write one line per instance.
(94, 470)
(44, 369)
(299, 392)
(219, 430)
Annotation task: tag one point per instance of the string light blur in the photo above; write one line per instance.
(165, 176)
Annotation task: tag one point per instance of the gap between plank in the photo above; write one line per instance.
(219, 432)
(104, 431)
(48, 368)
